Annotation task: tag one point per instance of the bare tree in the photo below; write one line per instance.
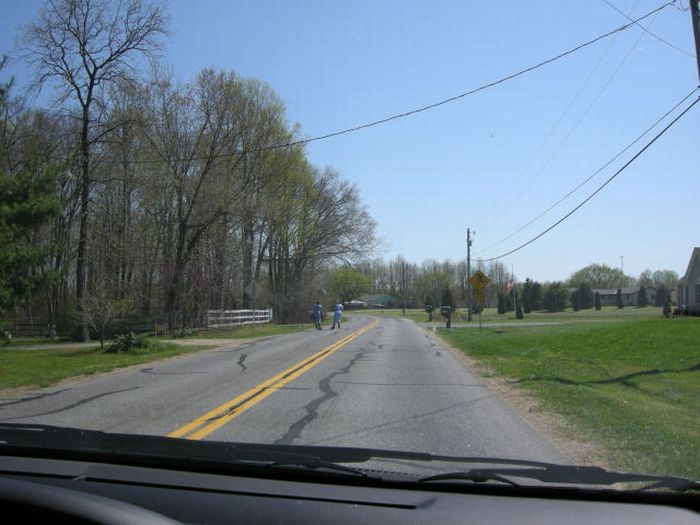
(83, 46)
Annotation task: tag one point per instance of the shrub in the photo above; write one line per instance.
(130, 343)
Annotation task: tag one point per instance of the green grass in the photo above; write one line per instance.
(28, 341)
(22, 368)
(632, 386)
(245, 332)
(489, 315)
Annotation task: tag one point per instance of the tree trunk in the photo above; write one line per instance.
(81, 331)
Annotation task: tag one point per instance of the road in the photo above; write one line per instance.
(377, 382)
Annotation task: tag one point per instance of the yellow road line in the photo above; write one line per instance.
(206, 424)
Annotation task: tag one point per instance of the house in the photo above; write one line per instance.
(608, 296)
(689, 284)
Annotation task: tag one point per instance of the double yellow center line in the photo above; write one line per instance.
(206, 424)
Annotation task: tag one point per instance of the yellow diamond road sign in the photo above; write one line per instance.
(479, 296)
(479, 280)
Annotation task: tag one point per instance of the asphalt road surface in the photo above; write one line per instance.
(377, 382)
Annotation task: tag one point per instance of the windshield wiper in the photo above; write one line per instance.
(22, 437)
(164, 450)
(566, 474)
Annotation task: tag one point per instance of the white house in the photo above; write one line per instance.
(689, 284)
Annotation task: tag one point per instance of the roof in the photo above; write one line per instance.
(694, 259)
(613, 291)
(377, 299)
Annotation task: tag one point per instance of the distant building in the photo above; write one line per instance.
(689, 284)
(630, 296)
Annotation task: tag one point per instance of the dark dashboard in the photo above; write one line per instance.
(70, 491)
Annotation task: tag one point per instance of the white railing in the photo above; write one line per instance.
(226, 318)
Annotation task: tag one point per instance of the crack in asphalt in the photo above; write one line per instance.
(241, 360)
(150, 371)
(294, 430)
(33, 397)
(76, 404)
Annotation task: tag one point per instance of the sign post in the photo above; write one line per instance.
(479, 281)
(252, 291)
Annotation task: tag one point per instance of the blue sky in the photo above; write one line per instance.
(490, 161)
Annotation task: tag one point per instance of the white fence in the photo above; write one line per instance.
(226, 318)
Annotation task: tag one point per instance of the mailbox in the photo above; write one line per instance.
(446, 311)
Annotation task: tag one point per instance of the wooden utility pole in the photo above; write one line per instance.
(403, 285)
(695, 14)
(469, 274)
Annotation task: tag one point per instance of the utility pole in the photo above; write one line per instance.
(403, 285)
(695, 14)
(469, 274)
(622, 268)
(515, 296)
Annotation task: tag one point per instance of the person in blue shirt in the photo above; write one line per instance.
(317, 314)
(337, 313)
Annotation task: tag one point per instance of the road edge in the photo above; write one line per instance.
(528, 408)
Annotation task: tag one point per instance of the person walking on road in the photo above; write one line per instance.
(317, 314)
(337, 313)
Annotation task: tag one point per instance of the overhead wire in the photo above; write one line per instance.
(660, 39)
(600, 188)
(505, 194)
(421, 109)
(594, 174)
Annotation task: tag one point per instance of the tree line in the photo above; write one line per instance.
(433, 283)
(137, 196)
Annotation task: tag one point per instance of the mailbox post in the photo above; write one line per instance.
(429, 309)
(446, 311)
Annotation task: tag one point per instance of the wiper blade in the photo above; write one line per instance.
(566, 474)
(315, 458)
(49, 438)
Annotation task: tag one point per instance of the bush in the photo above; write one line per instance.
(131, 344)
(667, 307)
(185, 332)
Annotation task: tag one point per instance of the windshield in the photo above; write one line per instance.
(459, 236)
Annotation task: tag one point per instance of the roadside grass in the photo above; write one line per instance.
(28, 341)
(490, 315)
(632, 386)
(41, 368)
(245, 332)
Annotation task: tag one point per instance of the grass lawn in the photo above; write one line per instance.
(21, 368)
(632, 386)
(28, 341)
(490, 315)
(245, 332)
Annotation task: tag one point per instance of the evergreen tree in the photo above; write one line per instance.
(585, 296)
(667, 306)
(554, 299)
(576, 300)
(501, 304)
(518, 308)
(661, 294)
(27, 201)
(642, 300)
(597, 301)
(447, 299)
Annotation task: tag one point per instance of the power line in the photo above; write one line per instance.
(429, 106)
(571, 131)
(600, 188)
(669, 44)
(599, 170)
